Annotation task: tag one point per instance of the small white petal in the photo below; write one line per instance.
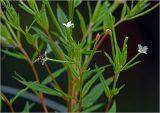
(142, 49)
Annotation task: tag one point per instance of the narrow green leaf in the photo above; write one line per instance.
(14, 54)
(89, 72)
(113, 108)
(42, 88)
(124, 52)
(88, 85)
(95, 93)
(48, 79)
(131, 65)
(82, 22)
(105, 86)
(26, 8)
(27, 107)
(124, 10)
(97, 11)
(18, 94)
(107, 19)
(94, 107)
(54, 19)
(109, 58)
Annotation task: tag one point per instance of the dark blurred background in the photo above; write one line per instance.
(141, 93)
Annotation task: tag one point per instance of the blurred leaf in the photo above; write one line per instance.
(57, 73)
(14, 54)
(5, 37)
(89, 83)
(0, 103)
(94, 107)
(77, 3)
(33, 5)
(94, 94)
(113, 108)
(27, 107)
(18, 94)
(62, 18)
(97, 11)
(82, 22)
(12, 15)
(107, 20)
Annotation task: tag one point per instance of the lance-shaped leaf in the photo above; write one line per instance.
(88, 85)
(18, 94)
(113, 108)
(37, 87)
(94, 94)
(82, 22)
(93, 108)
(54, 75)
(14, 54)
(77, 3)
(27, 107)
(124, 52)
(105, 86)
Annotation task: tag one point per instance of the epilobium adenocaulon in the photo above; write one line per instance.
(142, 49)
(69, 24)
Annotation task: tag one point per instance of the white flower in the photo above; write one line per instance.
(69, 24)
(142, 49)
